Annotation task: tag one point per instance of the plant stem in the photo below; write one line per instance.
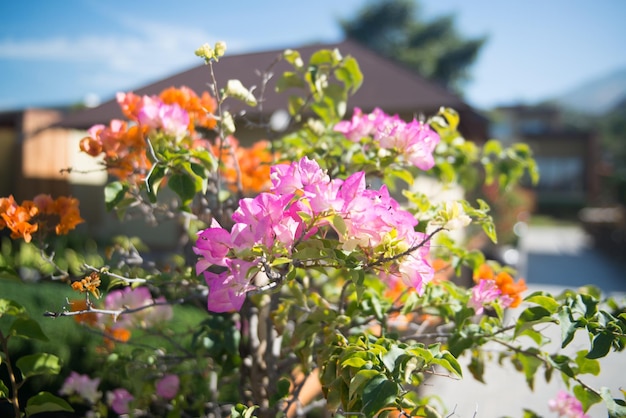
(14, 386)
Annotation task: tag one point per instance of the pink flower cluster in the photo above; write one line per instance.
(567, 406)
(83, 386)
(414, 141)
(305, 203)
(133, 298)
(155, 114)
(486, 291)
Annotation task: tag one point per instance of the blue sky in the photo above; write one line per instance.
(59, 52)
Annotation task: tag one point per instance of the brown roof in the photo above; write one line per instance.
(387, 85)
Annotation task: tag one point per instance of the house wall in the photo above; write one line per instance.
(8, 140)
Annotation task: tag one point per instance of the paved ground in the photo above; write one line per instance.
(551, 259)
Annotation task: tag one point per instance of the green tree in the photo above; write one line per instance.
(434, 49)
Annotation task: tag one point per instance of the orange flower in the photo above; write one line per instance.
(115, 335)
(78, 305)
(508, 287)
(124, 149)
(254, 165)
(505, 283)
(67, 209)
(130, 104)
(442, 270)
(88, 284)
(39, 215)
(18, 218)
(484, 272)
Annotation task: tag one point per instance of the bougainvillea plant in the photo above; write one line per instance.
(324, 277)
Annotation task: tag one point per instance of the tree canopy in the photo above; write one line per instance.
(434, 49)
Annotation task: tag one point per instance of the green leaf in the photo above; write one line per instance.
(40, 363)
(10, 307)
(323, 57)
(46, 402)
(377, 394)
(586, 397)
(587, 365)
(184, 186)
(289, 80)
(600, 346)
(545, 301)
(153, 181)
(530, 364)
(350, 74)
(360, 379)
(4, 391)
(531, 316)
(114, 192)
(27, 328)
(340, 225)
(616, 407)
(568, 326)
(295, 104)
(293, 58)
(356, 362)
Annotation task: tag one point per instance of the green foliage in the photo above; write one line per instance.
(316, 308)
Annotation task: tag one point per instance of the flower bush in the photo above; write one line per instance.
(326, 277)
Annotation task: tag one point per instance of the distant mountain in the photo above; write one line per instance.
(595, 97)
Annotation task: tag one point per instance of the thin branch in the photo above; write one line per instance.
(105, 270)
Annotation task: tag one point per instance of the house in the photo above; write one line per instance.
(567, 158)
(387, 85)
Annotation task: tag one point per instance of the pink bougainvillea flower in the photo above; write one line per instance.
(168, 386)
(486, 291)
(212, 246)
(567, 406)
(227, 290)
(273, 222)
(83, 386)
(414, 141)
(119, 399)
(129, 298)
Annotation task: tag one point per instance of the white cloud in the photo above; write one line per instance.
(143, 51)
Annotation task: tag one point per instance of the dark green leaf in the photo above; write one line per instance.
(360, 380)
(27, 328)
(568, 326)
(153, 181)
(600, 345)
(184, 186)
(46, 402)
(377, 394)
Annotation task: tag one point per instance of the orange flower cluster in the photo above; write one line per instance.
(124, 149)
(124, 146)
(40, 214)
(254, 165)
(505, 283)
(79, 305)
(88, 284)
(200, 109)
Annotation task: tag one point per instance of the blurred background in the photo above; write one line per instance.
(548, 73)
